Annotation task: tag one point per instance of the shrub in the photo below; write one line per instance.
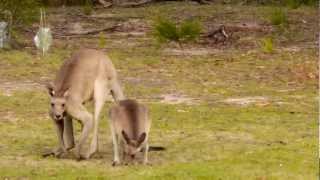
(22, 11)
(102, 40)
(166, 30)
(190, 30)
(294, 4)
(267, 45)
(278, 17)
(310, 2)
(88, 7)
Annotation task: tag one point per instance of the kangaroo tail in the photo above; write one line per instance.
(156, 148)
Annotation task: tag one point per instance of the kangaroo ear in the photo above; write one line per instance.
(50, 88)
(66, 93)
(142, 138)
(125, 136)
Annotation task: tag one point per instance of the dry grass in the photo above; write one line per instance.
(206, 137)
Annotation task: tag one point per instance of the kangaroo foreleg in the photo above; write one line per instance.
(115, 142)
(145, 154)
(58, 151)
(78, 111)
(68, 137)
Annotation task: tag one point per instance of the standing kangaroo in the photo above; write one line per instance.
(130, 127)
(88, 75)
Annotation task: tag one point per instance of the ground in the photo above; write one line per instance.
(223, 111)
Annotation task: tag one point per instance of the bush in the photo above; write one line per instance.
(22, 11)
(278, 17)
(294, 4)
(166, 30)
(267, 45)
(102, 40)
(88, 7)
(190, 30)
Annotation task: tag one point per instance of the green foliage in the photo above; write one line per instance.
(294, 4)
(166, 30)
(278, 17)
(22, 11)
(88, 7)
(267, 45)
(190, 30)
(102, 40)
(310, 2)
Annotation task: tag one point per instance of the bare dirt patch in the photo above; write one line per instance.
(232, 136)
(9, 86)
(191, 52)
(245, 101)
(178, 99)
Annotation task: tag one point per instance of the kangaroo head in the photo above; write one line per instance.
(132, 146)
(57, 103)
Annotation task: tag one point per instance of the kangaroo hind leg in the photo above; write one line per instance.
(100, 96)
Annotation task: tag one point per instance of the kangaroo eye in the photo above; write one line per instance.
(62, 105)
(52, 105)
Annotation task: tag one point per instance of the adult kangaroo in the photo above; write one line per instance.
(88, 75)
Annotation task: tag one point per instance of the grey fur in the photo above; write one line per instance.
(130, 127)
(88, 75)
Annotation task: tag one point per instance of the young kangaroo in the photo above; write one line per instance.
(130, 127)
(88, 75)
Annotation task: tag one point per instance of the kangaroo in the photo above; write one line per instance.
(130, 127)
(87, 76)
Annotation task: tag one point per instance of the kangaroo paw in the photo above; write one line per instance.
(115, 163)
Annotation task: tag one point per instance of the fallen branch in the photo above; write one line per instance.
(219, 35)
(135, 4)
(88, 32)
(104, 3)
(248, 27)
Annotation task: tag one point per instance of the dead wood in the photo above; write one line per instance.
(250, 26)
(218, 35)
(87, 32)
(135, 4)
(104, 3)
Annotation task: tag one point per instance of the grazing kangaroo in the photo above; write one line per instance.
(130, 127)
(88, 75)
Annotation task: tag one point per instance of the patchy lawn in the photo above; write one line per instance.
(227, 111)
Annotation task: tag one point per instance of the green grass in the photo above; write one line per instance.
(229, 140)
(166, 30)
(209, 139)
(267, 45)
(278, 16)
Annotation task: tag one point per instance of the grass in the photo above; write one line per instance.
(232, 140)
(278, 17)
(267, 45)
(209, 139)
(166, 30)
